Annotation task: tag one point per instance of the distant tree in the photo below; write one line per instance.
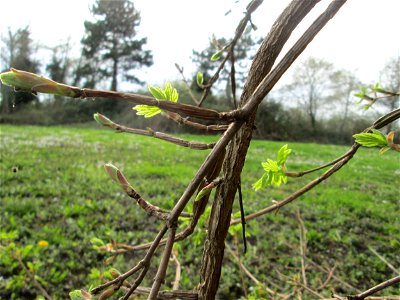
(310, 87)
(17, 52)
(344, 84)
(110, 38)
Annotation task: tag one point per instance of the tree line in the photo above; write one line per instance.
(318, 103)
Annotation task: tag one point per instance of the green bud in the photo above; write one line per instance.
(31, 82)
(103, 120)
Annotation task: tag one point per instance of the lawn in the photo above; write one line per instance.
(55, 198)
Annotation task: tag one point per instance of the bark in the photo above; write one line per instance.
(236, 152)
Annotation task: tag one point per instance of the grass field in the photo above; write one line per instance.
(56, 197)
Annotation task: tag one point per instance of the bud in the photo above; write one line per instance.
(31, 82)
(112, 171)
(103, 120)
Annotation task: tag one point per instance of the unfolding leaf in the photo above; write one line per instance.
(371, 139)
(200, 79)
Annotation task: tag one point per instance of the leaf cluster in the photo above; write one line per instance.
(168, 94)
(274, 170)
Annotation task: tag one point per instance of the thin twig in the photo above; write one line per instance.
(150, 132)
(162, 269)
(178, 271)
(32, 277)
(375, 289)
(391, 267)
(143, 264)
(253, 5)
(249, 274)
(328, 279)
(303, 246)
(167, 294)
(180, 70)
(208, 128)
(381, 122)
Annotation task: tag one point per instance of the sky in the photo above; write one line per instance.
(360, 38)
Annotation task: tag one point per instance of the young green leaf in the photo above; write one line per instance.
(274, 170)
(169, 94)
(371, 139)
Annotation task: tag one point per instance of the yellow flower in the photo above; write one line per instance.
(43, 243)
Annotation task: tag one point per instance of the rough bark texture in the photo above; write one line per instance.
(236, 151)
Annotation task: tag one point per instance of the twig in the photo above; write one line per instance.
(330, 275)
(375, 289)
(248, 273)
(174, 294)
(178, 270)
(32, 277)
(208, 128)
(150, 132)
(241, 272)
(143, 264)
(180, 70)
(303, 246)
(391, 267)
(149, 208)
(162, 269)
(272, 77)
(253, 5)
(301, 191)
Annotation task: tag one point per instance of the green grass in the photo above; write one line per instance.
(54, 188)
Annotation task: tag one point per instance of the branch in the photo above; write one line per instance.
(384, 260)
(208, 128)
(251, 7)
(149, 208)
(150, 132)
(375, 289)
(143, 264)
(162, 269)
(381, 122)
(174, 294)
(272, 77)
(31, 82)
(180, 70)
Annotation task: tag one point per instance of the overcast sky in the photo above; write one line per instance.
(361, 37)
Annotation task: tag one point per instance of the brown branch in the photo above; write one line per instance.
(150, 132)
(174, 294)
(149, 208)
(390, 266)
(252, 6)
(143, 264)
(208, 128)
(272, 77)
(381, 122)
(180, 70)
(375, 289)
(303, 190)
(185, 109)
(162, 269)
